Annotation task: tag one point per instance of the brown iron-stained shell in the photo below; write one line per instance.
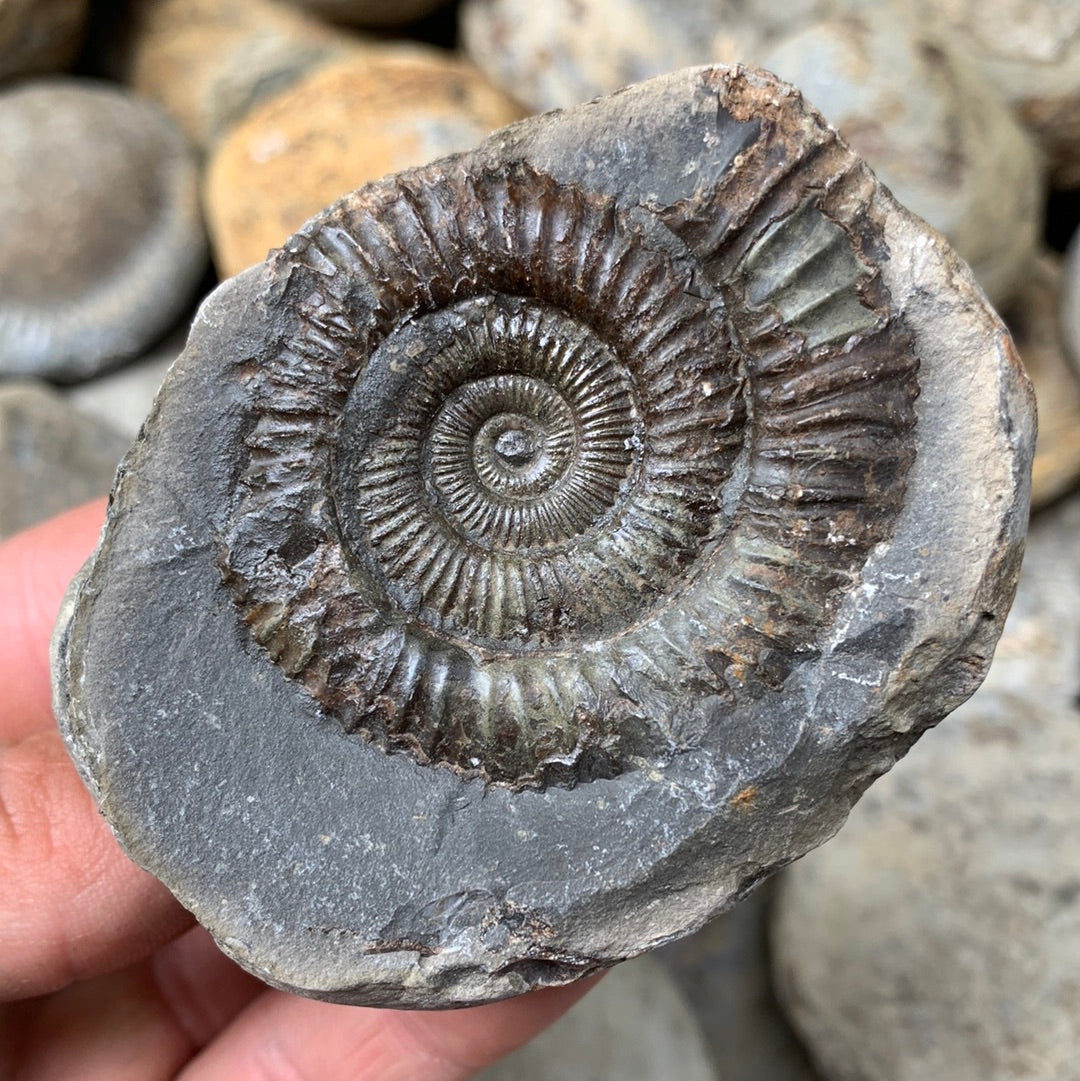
(544, 545)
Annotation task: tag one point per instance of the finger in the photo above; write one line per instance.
(72, 905)
(141, 1024)
(113, 1028)
(35, 569)
(283, 1036)
(203, 989)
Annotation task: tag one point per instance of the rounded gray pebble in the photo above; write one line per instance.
(938, 936)
(103, 237)
(634, 1026)
(932, 127)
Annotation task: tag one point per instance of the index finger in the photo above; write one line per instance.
(35, 569)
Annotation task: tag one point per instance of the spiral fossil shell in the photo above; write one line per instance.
(512, 455)
(544, 544)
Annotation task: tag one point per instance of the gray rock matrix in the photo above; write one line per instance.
(397, 726)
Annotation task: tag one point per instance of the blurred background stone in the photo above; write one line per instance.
(1030, 50)
(634, 1026)
(344, 125)
(560, 52)
(210, 62)
(103, 239)
(938, 934)
(122, 399)
(723, 970)
(1070, 302)
(39, 36)
(371, 12)
(1033, 322)
(52, 457)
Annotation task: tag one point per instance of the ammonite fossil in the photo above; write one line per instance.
(544, 545)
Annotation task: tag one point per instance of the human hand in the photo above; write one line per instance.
(102, 975)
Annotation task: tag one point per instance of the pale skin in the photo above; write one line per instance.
(103, 976)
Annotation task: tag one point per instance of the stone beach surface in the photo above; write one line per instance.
(371, 12)
(122, 398)
(208, 63)
(724, 972)
(561, 53)
(52, 457)
(1069, 313)
(1032, 316)
(635, 1026)
(39, 37)
(939, 934)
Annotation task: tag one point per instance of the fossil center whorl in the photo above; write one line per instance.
(483, 453)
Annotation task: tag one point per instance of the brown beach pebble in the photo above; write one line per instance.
(371, 12)
(39, 36)
(341, 127)
(103, 239)
(209, 62)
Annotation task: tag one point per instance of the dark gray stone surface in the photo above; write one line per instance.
(52, 457)
(841, 593)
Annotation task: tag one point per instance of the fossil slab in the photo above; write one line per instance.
(546, 544)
